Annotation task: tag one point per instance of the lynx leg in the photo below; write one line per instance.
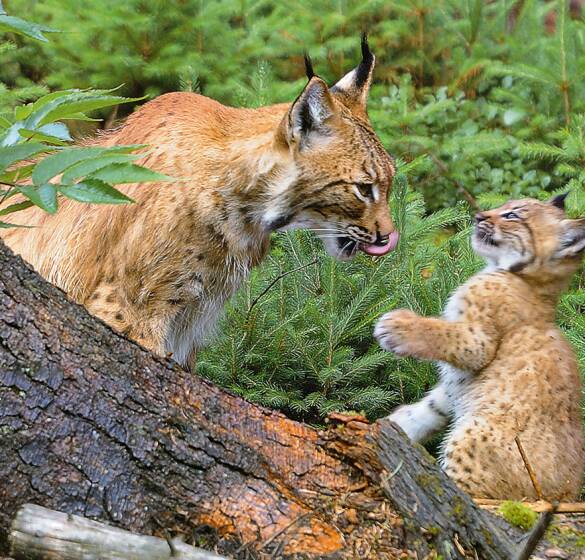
(425, 417)
(107, 303)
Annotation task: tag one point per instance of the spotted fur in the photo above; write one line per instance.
(505, 368)
(160, 270)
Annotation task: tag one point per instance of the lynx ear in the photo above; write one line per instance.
(309, 113)
(354, 87)
(572, 239)
(559, 201)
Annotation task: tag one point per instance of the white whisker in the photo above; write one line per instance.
(340, 252)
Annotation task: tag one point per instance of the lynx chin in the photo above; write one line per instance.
(505, 369)
(161, 270)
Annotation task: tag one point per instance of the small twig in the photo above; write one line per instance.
(458, 546)
(174, 551)
(529, 468)
(466, 194)
(279, 277)
(536, 533)
(277, 552)
(111, 118)
(7, 192)
(274, 536)
(563, 507)
(167, 536)
(296, 520)
(387, 477)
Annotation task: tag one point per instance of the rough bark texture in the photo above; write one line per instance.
(94, 425)
(442, 509)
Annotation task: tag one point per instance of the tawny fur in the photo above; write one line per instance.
(505, 368)
(160, 270)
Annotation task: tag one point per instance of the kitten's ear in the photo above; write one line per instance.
(559, 201)
(572, 239)
(310, 112)
(354, 87)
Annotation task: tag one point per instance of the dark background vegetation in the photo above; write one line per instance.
(480, 101)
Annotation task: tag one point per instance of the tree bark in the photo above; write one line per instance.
(94, 425)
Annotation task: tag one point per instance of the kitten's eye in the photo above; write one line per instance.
(510, 216)
(366, 191)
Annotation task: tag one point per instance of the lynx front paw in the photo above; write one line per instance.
(403, 416)
(413, 421)
(397, 332)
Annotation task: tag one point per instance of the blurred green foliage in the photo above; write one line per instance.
(462, 81)
(481, 101)
(34, 147)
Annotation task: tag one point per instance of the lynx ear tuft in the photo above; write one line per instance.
(308, 66)
(573, 239)
(559, 201)
(354, 87)
(366, 66)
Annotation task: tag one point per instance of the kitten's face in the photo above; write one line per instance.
(528, 236)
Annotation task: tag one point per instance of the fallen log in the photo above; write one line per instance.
(92, 424)
(39, 533)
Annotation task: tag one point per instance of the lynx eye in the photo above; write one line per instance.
(364, 191)
(510, 216)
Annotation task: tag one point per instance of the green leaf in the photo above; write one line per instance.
(118, 173)
(11, 136)
(43, 196)
(65, 107)
(23, 111)
(17, 174)
(6, 225)
(80, 117)
(56, 106)
(57, 163)
(94, 191)
(71, 94)
(13, 24)
(16, 207)
(42, 101)
(54, 133)
(88, 166)
(12, 154)
(54, 164)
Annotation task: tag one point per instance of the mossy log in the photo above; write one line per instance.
(94, 425)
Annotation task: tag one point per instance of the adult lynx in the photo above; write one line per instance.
(160, 270)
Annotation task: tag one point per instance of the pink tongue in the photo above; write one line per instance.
(379, 250)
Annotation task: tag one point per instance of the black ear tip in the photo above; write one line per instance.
(559, 200)
(308, 66)
(366, 52)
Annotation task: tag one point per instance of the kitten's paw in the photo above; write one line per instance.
(402, 416)
(405, 417)
(396, 332)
